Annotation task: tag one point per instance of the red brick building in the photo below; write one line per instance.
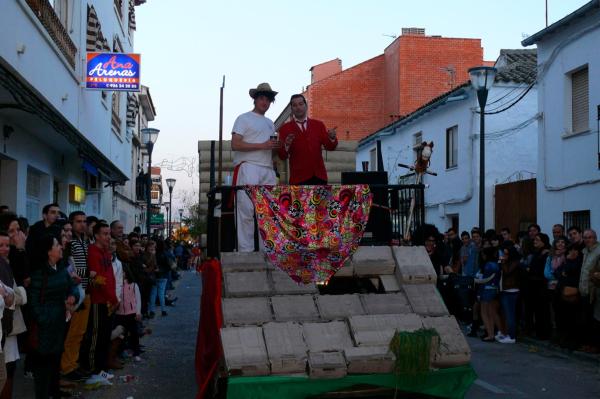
(412, 70)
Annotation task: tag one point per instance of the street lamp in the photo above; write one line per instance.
(170, 184)
(167, 207)
(149, 136)
(180, 217)
(482, 79)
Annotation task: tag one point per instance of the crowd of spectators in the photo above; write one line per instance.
(76, 294)
(503, 287)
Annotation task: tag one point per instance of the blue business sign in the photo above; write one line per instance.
(113, 71)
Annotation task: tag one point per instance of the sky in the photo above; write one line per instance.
(187, 47)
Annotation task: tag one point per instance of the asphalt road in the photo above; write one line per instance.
(505, 371)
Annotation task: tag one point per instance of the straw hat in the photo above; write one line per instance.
(262, 88)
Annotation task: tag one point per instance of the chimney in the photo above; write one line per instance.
(413, 31)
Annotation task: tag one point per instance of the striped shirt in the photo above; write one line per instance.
(79, 253)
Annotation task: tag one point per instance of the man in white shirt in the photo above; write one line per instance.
(253, 142)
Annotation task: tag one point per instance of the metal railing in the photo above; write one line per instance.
(389, 218)
(45, 13)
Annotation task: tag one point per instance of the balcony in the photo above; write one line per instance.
(44, 11)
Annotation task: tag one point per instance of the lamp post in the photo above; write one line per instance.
(149, 136)
(180, 216)
(166, 205)
(482, 79)
(170, 184)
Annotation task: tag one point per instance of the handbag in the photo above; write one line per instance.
(570, 294)
(33, 330)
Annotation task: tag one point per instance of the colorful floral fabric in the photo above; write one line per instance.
(310, 231)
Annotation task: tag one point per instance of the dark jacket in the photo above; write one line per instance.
(163, 265)
(568, 274)
(19, 263)
(47, 293)
(510, 275)
(32, 245)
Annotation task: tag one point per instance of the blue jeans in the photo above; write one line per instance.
(158, 289)
(509, 308)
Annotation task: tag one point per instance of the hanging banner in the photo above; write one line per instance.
(113, 71)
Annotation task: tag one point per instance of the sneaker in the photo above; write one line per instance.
(506, 340)
(106, 375)
(97, 379)
(499, 336)
(137, 359)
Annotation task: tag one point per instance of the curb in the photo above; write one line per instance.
(582, 356)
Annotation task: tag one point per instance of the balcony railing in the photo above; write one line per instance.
(47, 16)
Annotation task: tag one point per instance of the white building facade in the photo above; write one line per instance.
(568, 176)
(61, 142)
(451, 121)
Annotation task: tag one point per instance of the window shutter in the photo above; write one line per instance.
(580, 100)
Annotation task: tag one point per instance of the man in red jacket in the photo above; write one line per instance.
(101, 288)
(302, 139)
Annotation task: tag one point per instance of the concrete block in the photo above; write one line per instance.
(240, 311)
(453, 349)
(332, 307)
(378, 330)
(244, 351)
(345, 271)
(390, 283)
(286, 348)
(373, 261)
(326, 365)
(244, 284)
(425, 300)
(330, 336)
(414, 266)
(369, 360)
(284, 285)
(243, 262)
(395, 303)
(294, 308)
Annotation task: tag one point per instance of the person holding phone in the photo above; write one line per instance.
(301, 140)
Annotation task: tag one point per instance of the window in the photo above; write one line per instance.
(452, 147)
(116, 107)
(580, 107)
(32, 191)
(579, 219)
(61, 8)
(373, 159)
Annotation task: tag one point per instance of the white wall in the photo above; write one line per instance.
(568, 174)
(455, 191)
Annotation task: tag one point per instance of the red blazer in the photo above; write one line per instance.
(100, 261)
(305, 156)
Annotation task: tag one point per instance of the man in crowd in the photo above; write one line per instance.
(558, 230)
(103, 297)
(302, 139)
(506, 235)
(124, 253)
(79, 320)
(575, 238)
(253, 144)
(48, 225)
(587, 288)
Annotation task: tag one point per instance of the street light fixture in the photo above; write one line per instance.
(180, 217)
(170, 184)
(149, 136)
(482, 80)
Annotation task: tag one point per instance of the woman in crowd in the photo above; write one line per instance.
(509, 262)
(52, 296)
(162, 269)
(129, 312)
(555, 259)
(537, 303)
(567, 304)
(488, 292)
(150, 271)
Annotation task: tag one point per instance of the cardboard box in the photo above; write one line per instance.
(294, 308)
(284, 285)
(414, 266)
(453, 349)
(244, 351)
(241, 311)
(327, 365)
(378, 330)
(332, 307)
(244, 284)
(396, 303)
(390, 283)
(369, 360)
(373, 261)
(286, 348)
(329, 336)
(425, 300)
(243, 262)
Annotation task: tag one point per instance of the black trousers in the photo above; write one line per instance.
(46, 374)
(313, 181)
(96, 343)
(130, 324)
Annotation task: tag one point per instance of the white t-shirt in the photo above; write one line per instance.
(254, 128)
